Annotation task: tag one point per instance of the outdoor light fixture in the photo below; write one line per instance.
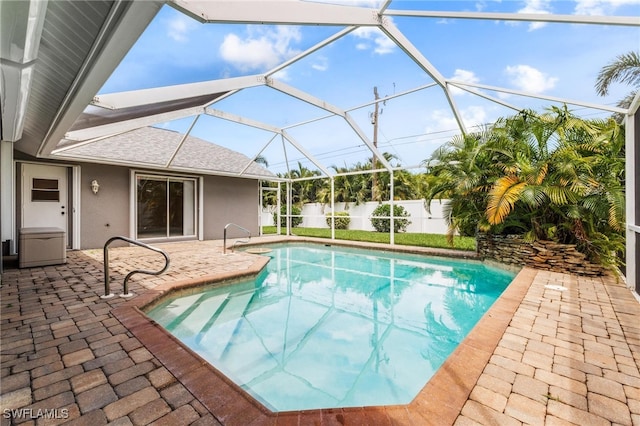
(95, 186)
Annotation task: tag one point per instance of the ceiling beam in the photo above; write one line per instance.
(483, 95)
(312, 49)
(141, 97)
(403, 43)
(242, 120)
(127, 125)
(526, 17)
(544, 97)
(277, 12)
(303, 96)
(304, 152)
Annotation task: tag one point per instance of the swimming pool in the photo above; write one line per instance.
(333, 326)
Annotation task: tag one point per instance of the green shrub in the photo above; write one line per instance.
(384, 225)
(295, 220)
(341, 220)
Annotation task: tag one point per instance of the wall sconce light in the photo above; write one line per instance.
(95, 186)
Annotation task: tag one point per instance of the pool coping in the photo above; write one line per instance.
(439, 402)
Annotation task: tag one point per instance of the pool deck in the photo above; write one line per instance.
(555, 349)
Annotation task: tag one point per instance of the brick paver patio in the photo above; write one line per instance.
(556, 349)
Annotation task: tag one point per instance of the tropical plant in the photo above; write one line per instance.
(381, 222)
(341, 220)
(404, 182)
(625, 68)
(550, 176)
(462, 170)
(348, 188)
(262, 160)
(294, 220)
(269, 196)
(304, 189)
(353, 187)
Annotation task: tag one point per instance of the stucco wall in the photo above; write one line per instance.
(105, 214)
(230, 200)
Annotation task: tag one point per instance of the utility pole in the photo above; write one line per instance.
(374, 120)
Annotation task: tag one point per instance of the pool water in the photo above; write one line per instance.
(329, 326)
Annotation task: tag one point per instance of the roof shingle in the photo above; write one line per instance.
(155, 146)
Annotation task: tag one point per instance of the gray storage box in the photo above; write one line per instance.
(41, 246)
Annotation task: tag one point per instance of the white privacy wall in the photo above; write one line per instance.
(313, 216)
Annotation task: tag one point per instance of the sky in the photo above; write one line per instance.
(552, 59)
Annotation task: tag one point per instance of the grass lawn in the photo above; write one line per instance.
(420, 240)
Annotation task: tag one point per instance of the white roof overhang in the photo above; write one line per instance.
(22, 24)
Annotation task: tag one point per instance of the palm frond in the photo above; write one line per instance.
(533, 196)
(560, 195)
(625, 68)
(502, 197)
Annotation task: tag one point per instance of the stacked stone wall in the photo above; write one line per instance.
(548, 255)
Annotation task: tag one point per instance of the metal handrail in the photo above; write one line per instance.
(126, 293)
(224, 241)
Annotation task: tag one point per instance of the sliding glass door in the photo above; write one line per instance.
(166, 207)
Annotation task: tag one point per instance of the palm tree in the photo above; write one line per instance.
(530, 178)
(624, 69)
(261, 159)
(405, 185)
(462, 171)
(303, 191)
(548, 176)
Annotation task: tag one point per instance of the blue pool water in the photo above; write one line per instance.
(331, 326)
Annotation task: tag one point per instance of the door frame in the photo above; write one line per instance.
(73, 200)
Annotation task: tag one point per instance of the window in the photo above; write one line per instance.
(44, 190)
(166, 207)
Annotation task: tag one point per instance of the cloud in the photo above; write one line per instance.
(282, 75)
(262, 48)
(472, 117)
(529, 79)
(321, 64)
(463, 76)
(601, 7)
(178, 28)
(372, 37)
(536, 7)
(481, 5)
